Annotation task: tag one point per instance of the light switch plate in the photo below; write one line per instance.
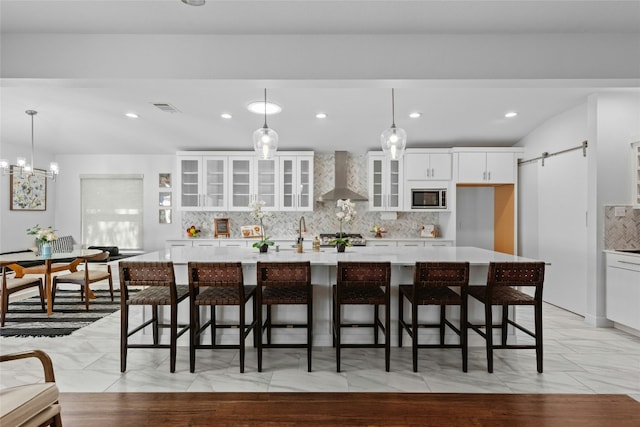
(619, 211)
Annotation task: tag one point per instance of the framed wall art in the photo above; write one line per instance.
(164, 180)
(164, 216)
(28, 192)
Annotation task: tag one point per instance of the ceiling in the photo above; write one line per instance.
(87, 117)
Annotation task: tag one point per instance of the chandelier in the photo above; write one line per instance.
(22, 168)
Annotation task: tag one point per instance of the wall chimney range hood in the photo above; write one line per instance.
(340, 190)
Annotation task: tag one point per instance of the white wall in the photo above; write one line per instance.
(475, 217)
(614, 121)
(553, 207)
(68, 209)
(14, 224)
(553, 199)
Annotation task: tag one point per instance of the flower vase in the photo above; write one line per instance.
(341, 247)
(264, 248)
(45, 251)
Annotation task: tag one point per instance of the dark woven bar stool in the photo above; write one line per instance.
(502, 279)
(160, 289)
(284, 283)
(364, 283)
(218, 284)
(431, 286)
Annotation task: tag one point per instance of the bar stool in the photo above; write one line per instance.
(431, 286)
(502, 279)
(159, 283)
(284, 283)
(218, 284)
(363, 283)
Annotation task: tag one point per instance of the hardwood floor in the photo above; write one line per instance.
(347, 409)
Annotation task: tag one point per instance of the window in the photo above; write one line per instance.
(112, 211)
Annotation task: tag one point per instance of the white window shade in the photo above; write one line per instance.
(112, 213)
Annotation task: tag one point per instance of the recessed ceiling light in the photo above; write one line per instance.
(510, 114)
(194, 2)
(321, 115)
(226, 115)
(132, 115)
(258, 107)
(415, 115)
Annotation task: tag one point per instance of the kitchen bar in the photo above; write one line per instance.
(323, 275)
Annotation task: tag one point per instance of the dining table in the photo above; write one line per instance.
(47, 268)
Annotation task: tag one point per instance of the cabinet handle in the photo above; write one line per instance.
(489, 176)
(628, 262)
(433, 173)
(428, 173)
(484, 176)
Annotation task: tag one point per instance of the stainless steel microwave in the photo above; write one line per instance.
(428, 198)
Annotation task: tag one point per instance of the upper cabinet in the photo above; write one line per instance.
(296, 183)
(230, 180)
(487, 167)
(636, 173)
(202, 182)
(385, 182)
(427, 165)
(252, 179)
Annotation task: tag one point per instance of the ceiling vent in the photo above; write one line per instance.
(167, 108)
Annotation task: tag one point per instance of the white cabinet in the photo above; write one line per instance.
(425, 165)
(385, 182)
(296, 183)
(636, 173)
(202, 182)
(424, 243)
(493, 167)
(382, 243)
(252, 179)
(623, 289)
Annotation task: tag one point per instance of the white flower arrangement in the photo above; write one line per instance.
(258, 214)
(43, 235)
(347, 213)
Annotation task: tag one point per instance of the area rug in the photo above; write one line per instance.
(26, 319)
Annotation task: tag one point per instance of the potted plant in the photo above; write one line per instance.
(346, 213)
(258, 214)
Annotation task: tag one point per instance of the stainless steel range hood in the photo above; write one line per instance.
(340, 190)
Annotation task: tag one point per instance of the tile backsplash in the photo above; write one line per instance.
(323, 218)
(621, 232)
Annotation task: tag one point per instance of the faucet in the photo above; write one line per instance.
(302, 228)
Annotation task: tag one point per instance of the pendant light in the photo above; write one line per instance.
(265, 140)
(24, 169)
(394, 139)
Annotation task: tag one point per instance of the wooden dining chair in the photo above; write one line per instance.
(158, 283)
(85, 277)
(215, 284)
(363, 283)
(432, 283)
(503, 281)
(11, 285)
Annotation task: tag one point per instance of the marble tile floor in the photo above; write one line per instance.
(578, 359)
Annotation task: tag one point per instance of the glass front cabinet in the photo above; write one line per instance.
(252, 179)
(385, 183)
(202, 183)
(296, 183)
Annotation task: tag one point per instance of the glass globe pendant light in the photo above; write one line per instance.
(265, 140)
(393, 139)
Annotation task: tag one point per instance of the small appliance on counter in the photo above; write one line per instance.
(429, 231)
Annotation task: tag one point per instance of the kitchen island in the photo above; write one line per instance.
(323, 273)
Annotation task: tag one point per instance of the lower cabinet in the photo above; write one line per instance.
(408, 242)
(623, 289)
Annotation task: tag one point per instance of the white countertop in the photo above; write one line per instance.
(329, 256)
